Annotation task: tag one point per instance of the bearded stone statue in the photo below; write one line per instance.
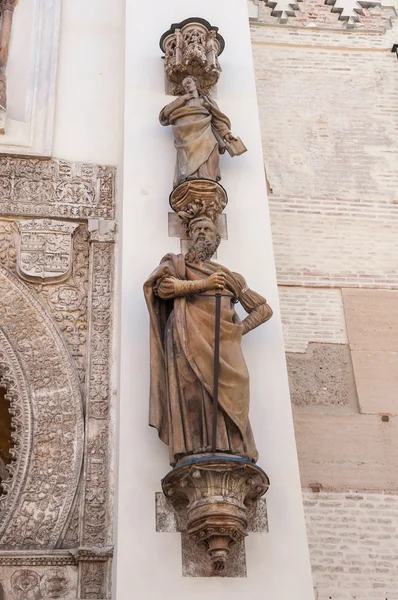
(180, 298)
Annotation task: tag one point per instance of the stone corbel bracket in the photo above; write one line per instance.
(212, 495)
(198, 198)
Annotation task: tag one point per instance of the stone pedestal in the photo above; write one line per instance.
(215, 492)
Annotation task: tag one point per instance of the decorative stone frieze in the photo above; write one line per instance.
(96, 523)
(350, 14)
(56, 188)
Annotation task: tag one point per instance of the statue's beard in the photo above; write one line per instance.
(202, 250)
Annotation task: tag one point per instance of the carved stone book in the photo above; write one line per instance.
(235, 148)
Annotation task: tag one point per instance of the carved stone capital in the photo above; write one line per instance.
(215, 492)
(192, 47)
(198, 198)
(8, 5)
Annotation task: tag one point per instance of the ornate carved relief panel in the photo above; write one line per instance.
(56, 298)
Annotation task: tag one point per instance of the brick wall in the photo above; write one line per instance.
(313, 13)
(328, 102)
(329, 125)
(353, 540)
(311, 315)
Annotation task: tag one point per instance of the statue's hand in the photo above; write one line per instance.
(216, 281)
(228, 137)
(188, 96)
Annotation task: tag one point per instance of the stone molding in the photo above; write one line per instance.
(95, 522)
(56, 557)
(33, 135)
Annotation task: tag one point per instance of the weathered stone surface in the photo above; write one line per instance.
(195, 561)
(322, 378)
(376, 376)
(347, 451)
(372, 319)
(37, 582)
(168, 521)
(48, 417)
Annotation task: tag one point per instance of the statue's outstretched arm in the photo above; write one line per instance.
(170, 287)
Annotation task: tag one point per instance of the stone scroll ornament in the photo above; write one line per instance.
(6, 17)
(199, 398)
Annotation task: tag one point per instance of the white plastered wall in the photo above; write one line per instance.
(148, 564)
(89, 96)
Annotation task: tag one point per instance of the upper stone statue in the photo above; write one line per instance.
(201, 133)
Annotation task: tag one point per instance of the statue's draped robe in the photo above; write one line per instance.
(198, 138)
(182, 363)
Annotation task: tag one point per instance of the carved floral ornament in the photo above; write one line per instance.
(48, 446)
(27, 584)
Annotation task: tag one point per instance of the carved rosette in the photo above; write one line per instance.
(215, 492)
(192, 47)
(198, 198)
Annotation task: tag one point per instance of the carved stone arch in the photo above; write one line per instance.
(13, 379)
(48, 418)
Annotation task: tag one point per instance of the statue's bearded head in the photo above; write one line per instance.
(205, 240)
